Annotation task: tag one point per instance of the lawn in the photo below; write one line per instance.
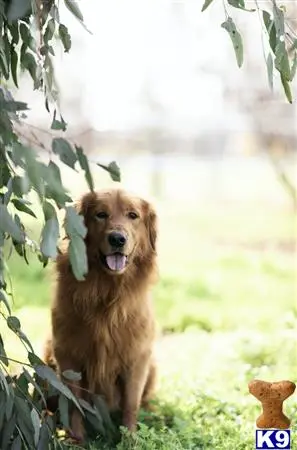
(226, 309)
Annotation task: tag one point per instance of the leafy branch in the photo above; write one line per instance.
(279, 41)
(29, 32)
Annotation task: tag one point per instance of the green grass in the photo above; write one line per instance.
(228, 312)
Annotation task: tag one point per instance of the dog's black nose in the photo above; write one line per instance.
(117, 239)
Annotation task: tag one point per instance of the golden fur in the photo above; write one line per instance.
(104, 326)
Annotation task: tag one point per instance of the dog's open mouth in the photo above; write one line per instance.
(115, 262)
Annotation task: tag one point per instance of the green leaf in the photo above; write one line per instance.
(73, 7)
(12, 106)
(4, 171)
(49, 31)
(269, 64)
(282, 60)
(20, 249)
(25, 34)
(34, 359)
(8, 225)
(96, 423)
(17, 443)
(3, 385)
(48, 75)
(28, 62)
(270, 27)
(34, 169)
(65, 37)
(64, 410)
(36, 425)
(279, 20)
(84, 164)
(24, 338)
(14, 65)
(287, 88)
(48, 374)
(71, 375)
(50, 50)
(206, 4)
(43, 259)
(2, 405)
(34, 384)
(18, 9)
(20, 185)
(54, 13)
(85, 405)
(18, 221)
(21, 206)
(44, 438)
(9, 402)
(58, 124)
(3, 356)
(49, 237)
(23, 385)
(113, 170)
(48, 210)
(62, 148)
(24, 420)
(7, 432)
(294, 67)
(5, 55)
(14, 31)
(17, 155)
(78, 258)
(76, 231)
(235, 36)
(103, 410)
(4, 299)
(240, 5)
(8, 193)
(54, 189)
(74, 223)
(13, 323)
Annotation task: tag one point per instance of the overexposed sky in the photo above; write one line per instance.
(148, 49)
(152, 62)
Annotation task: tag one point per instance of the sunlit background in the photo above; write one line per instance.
(155, 86)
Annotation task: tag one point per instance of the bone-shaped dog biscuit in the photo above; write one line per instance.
(272, 396)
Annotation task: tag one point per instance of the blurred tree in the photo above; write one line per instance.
(273, 121)
(278, 37)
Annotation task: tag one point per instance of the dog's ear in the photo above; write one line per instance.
(84, 204)
(151, 224)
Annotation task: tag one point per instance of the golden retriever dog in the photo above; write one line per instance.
(104, 327)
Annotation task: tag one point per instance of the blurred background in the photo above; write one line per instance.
(156, 87)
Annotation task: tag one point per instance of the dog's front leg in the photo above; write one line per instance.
(134, 383)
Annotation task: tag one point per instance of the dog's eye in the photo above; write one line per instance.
(132, 215)
(102, 215)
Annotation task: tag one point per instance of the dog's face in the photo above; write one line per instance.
(121, 229)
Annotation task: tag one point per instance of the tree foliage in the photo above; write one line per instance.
(29, 32)
(278, 39)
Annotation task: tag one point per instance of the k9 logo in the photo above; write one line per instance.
(273, 439)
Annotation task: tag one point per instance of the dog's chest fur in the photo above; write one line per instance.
(114, 331)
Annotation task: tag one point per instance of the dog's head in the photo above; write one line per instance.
(121, 229)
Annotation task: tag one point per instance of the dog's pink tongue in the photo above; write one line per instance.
(116, 261)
